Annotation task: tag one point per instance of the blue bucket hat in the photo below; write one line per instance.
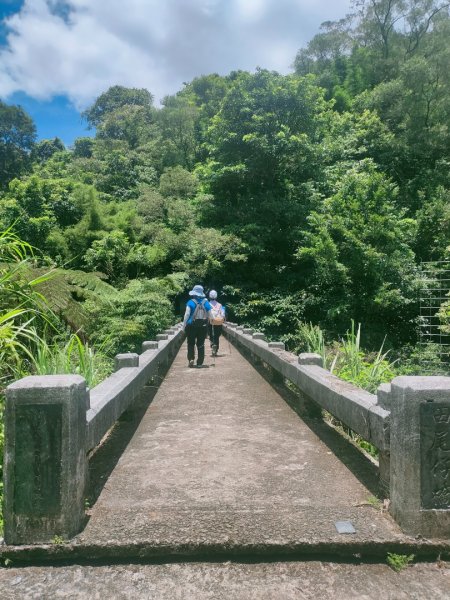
(197, 290)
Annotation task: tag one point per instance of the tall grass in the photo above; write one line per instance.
(353, 364)
(349, 361)
(15, 341)
(346, 357)
(313, 340)
(72, 356)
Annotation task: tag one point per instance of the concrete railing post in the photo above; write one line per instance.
(384, 455)
(311, 408)
(277, 345)
(257, 335)
(420, 455)
(310, 358)
(274, 374)
(45, 458)
(149, 345)
(128, 359)
(162, 337)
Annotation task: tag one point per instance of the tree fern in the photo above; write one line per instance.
(67, 290)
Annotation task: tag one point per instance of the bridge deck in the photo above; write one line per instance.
(220, 460)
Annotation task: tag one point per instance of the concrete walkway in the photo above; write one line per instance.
(217, 482)
(310, 580)
(221, 465)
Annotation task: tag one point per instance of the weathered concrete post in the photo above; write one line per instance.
(277, 345)
(311, 408)
(274, 375)
(257, 335)
(420, 455)
(384, 455)
(128, 359)
(45, 458)
(310, 358)
(149, 345)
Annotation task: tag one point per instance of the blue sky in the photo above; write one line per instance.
(57, 56)
(57, 117)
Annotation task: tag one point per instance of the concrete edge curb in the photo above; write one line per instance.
(194, 551)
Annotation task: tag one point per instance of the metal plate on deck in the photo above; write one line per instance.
(344, 527)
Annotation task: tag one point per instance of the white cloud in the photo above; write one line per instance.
(252, 10)
(79, 48)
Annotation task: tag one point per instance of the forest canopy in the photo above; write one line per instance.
(308, 197)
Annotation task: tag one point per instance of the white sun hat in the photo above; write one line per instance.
(197, 290)
(213, 294)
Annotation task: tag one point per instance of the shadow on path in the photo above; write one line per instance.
(361, 467)
(104, 458)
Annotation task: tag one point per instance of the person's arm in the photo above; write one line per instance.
(187, 314)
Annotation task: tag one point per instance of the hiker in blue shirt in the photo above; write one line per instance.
(195, 323)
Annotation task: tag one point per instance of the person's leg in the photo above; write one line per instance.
(213, 340)
(191, 335)
(211, 335)
(201, 337)
(217, 335)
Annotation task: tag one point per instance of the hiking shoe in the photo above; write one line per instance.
(191, 364)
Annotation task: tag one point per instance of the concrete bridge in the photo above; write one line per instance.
(227, 463)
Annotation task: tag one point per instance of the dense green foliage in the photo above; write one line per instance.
(310, 197)
(17, 136)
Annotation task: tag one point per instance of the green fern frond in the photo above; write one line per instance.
(67, 290)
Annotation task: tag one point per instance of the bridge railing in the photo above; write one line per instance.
(51, 423)
(408, 421)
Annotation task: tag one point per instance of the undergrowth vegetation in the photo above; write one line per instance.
(346, 357)
(37, 340)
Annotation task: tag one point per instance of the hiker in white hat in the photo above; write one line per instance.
(216, 320)
(195, 323)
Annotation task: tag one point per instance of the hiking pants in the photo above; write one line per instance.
(215, 331)
(196, 335)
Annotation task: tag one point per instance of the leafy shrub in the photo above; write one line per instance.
(71, 355)
(276, 313)
(121, 322)
(399, 561)
(422, 359)
(346, 358)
